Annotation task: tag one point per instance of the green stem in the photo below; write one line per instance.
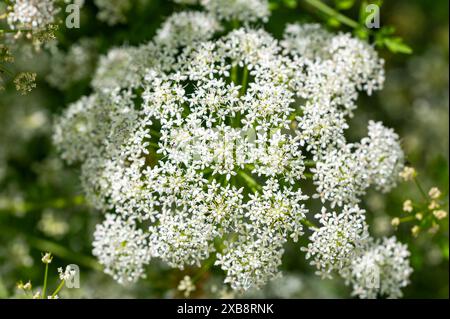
(254, 185)
(203, 270)
(44, 289)
(61, 284)
(308, 175)
(57, 203)
(15, 30)
(235, 24)
(155, 133)
(310, 163)
(419, 186)
(319, 5)
(244, 81)
(234, 75)
(5, 70)
(308, 224)
(407, 219)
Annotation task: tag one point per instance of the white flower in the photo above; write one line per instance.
(113, 11)
(32, 14)
(408, 173)
(119, 68)
(186, 286)
(408, 206)
(383, 155)
(251, 262)
(79, 61)
(242, 10)
(340, 177)
(121, 248)
(207, 141)
(339, 239)
(337, 66)
(434, 193)
(440, 214)
(306, 40)
(185, 28)
(66, 274)
(181, 239)
(381, 270)
(77, 133)
(47, 258)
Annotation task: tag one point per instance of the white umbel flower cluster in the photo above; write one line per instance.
(198, 147)
(79, 61)
(382, 269)
(113, 12)
(342, 245)
(238, 10)
(32, 14)
(336, 243)
(122, 248)
(186, 27)
(343, 175)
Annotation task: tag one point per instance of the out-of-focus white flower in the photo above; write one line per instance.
(113, 11)
(185, 28)
(186, 286)
(79, 61)
(47, 258)
(408, 206)
(434, 193)
(32, 14)
(51, 225)
(408, 173)
(67, 274)
(381, 270)
(395, 222)
(440, 214)
(241, 10)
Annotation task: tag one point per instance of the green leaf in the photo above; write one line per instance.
(344, 4)
(273, 5)
(362, 33)
(333, 22)
(362, 12)
(396, 45)
(290, 3)
(445, 250)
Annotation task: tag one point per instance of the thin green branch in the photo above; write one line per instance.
(250, 180)
(61, 284)
(244, 81)
(44, 288)
(322, 7)
(419, 186)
